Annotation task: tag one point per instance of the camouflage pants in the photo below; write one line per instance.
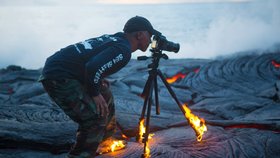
(71, 96)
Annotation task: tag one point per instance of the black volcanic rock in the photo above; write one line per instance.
(238, 97)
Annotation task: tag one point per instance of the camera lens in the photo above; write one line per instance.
(172, 47)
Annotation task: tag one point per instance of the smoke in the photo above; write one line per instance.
(254, 27)
(29, 34)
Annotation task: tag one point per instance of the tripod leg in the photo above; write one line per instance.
(147, 86)
(146, 95)
(156, 96)
(170, 90)
(146, 136)
(144, 108)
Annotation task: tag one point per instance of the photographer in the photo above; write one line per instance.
(73, 78)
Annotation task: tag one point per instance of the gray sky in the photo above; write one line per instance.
(91, 2)
(32, 30)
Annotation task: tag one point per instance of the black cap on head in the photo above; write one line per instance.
(139, 23)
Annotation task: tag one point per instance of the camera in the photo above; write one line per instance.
(160, 42)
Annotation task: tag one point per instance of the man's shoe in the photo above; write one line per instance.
(110, 145)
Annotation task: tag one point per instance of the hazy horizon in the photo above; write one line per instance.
(92, 2)
(32, 30)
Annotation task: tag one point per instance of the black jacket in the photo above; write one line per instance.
(89, 61)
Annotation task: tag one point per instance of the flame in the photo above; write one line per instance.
(110, 145)
(147, 153)
(147, 148)
(198, 124)
(124, 136)
(142, 130)
(277, 65)
(115, 144)
(176, 77)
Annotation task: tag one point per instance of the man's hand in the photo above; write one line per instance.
(105, 83)
(101, 105)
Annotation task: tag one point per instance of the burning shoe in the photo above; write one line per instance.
(110, 145)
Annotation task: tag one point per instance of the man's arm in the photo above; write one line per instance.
(105, 63)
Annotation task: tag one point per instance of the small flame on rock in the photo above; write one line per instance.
(198, 124)
(110, 145)
(117, 144)
(124, 136)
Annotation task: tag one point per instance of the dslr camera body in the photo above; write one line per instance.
(160, 43)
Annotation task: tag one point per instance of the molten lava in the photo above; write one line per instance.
(176, 77)
(180, 75)
(198, 124)
(196, 70)
(275, 64)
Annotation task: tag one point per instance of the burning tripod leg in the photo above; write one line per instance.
(147, 94)
(151, 85)
(195, 122)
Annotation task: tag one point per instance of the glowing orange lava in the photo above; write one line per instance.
(180, 75)
(198, 124)
(176, 77)
(196, 70)
(275, 64)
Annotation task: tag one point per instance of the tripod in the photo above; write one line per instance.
(152, 86)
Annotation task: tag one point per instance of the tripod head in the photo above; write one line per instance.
(156, 56)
